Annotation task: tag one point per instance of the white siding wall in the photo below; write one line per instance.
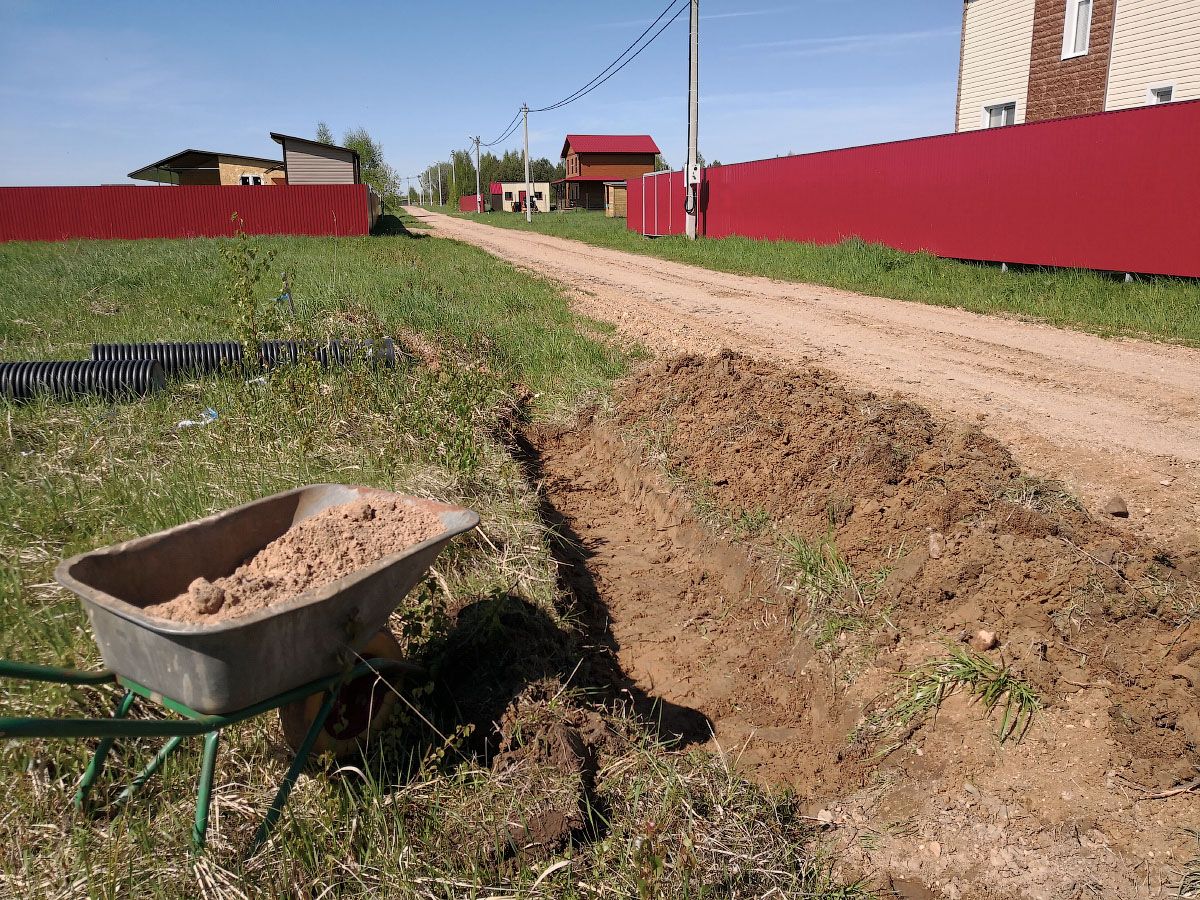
(997, 43)
(1156, 42)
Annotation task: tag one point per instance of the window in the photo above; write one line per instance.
(999, 115)
(1077, 29)
(537, 195)
(508, 195)
(1164, 94)
(251, 179)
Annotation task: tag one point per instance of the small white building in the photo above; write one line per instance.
(512, 196)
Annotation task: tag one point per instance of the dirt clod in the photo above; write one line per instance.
(1116, 506)
(323, 548)
(984, 640)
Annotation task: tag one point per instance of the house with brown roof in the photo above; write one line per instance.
(209, 167)
(592, 160)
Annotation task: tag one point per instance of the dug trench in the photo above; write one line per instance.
(829, 589)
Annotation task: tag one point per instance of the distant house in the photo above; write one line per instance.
(312, 162)
(1032, 60)
(593, 159)
(509, 196)
(208, 167)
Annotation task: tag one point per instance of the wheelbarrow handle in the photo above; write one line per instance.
(56, 674)
(107, 728)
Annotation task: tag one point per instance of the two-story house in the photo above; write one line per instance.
(1032, 60)
(591, 160)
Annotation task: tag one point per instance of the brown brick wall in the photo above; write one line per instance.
(1067, 87)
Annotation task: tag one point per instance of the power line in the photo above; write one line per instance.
(508, 129)
(603, 77)
(622, 60)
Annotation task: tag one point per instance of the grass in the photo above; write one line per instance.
(1189, 880)
(1166, 309)
(838, 601)
(991, 684)
(421, 815)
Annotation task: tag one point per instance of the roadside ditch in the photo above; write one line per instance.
(975, 687)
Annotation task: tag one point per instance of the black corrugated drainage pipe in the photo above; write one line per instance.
(70, 378)
(203, 358)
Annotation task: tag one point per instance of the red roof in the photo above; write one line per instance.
(610, 143)
(497, 187)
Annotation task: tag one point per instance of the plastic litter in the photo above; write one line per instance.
(206, 418)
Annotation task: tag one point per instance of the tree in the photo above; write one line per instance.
(374, 168)
(661, 164)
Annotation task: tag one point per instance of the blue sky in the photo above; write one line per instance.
(91, 91)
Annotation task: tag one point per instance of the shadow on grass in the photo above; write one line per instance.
(390, 225)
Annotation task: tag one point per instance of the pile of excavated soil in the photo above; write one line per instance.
(312, 553)
(946, 538)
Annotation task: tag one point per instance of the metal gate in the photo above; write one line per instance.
(659, 215)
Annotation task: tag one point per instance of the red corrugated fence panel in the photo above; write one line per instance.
(1117, 191)
(63, 213)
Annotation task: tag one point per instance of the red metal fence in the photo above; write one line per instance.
(1117, 191)
(121, 211)
(470, 203)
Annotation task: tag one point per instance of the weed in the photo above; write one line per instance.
(837, 600)
(838, 510)
(1189, 879)
(1046, 495)
(993, 685)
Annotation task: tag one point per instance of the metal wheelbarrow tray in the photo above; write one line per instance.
(215, 675)
(233, 664)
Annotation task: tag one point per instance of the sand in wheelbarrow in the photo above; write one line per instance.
(312, 553)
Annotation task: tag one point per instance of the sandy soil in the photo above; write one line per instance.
(312, 553)
(946, 538)
(1106, 417)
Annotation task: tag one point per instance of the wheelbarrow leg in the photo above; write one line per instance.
(96, 766)
(204, 797)
(153, 766)
(289, 780)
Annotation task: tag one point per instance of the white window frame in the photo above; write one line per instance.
(987, 112)
(1070, 23)
(250, 176)
(1152, 95)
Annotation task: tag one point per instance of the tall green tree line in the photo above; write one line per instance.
(458, 173)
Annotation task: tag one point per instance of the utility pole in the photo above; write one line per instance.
(453, 174)
(478, 193)
(692, 173)
(528, 184)
(440, 203)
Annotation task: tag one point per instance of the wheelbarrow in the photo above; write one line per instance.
(324, 659)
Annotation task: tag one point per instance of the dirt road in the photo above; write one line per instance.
(1107, 417)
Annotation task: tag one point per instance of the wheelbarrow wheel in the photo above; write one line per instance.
(363, 707)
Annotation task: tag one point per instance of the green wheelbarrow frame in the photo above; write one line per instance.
(193, 724)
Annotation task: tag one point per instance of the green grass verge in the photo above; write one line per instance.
(1165, 309)
(419, 816)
